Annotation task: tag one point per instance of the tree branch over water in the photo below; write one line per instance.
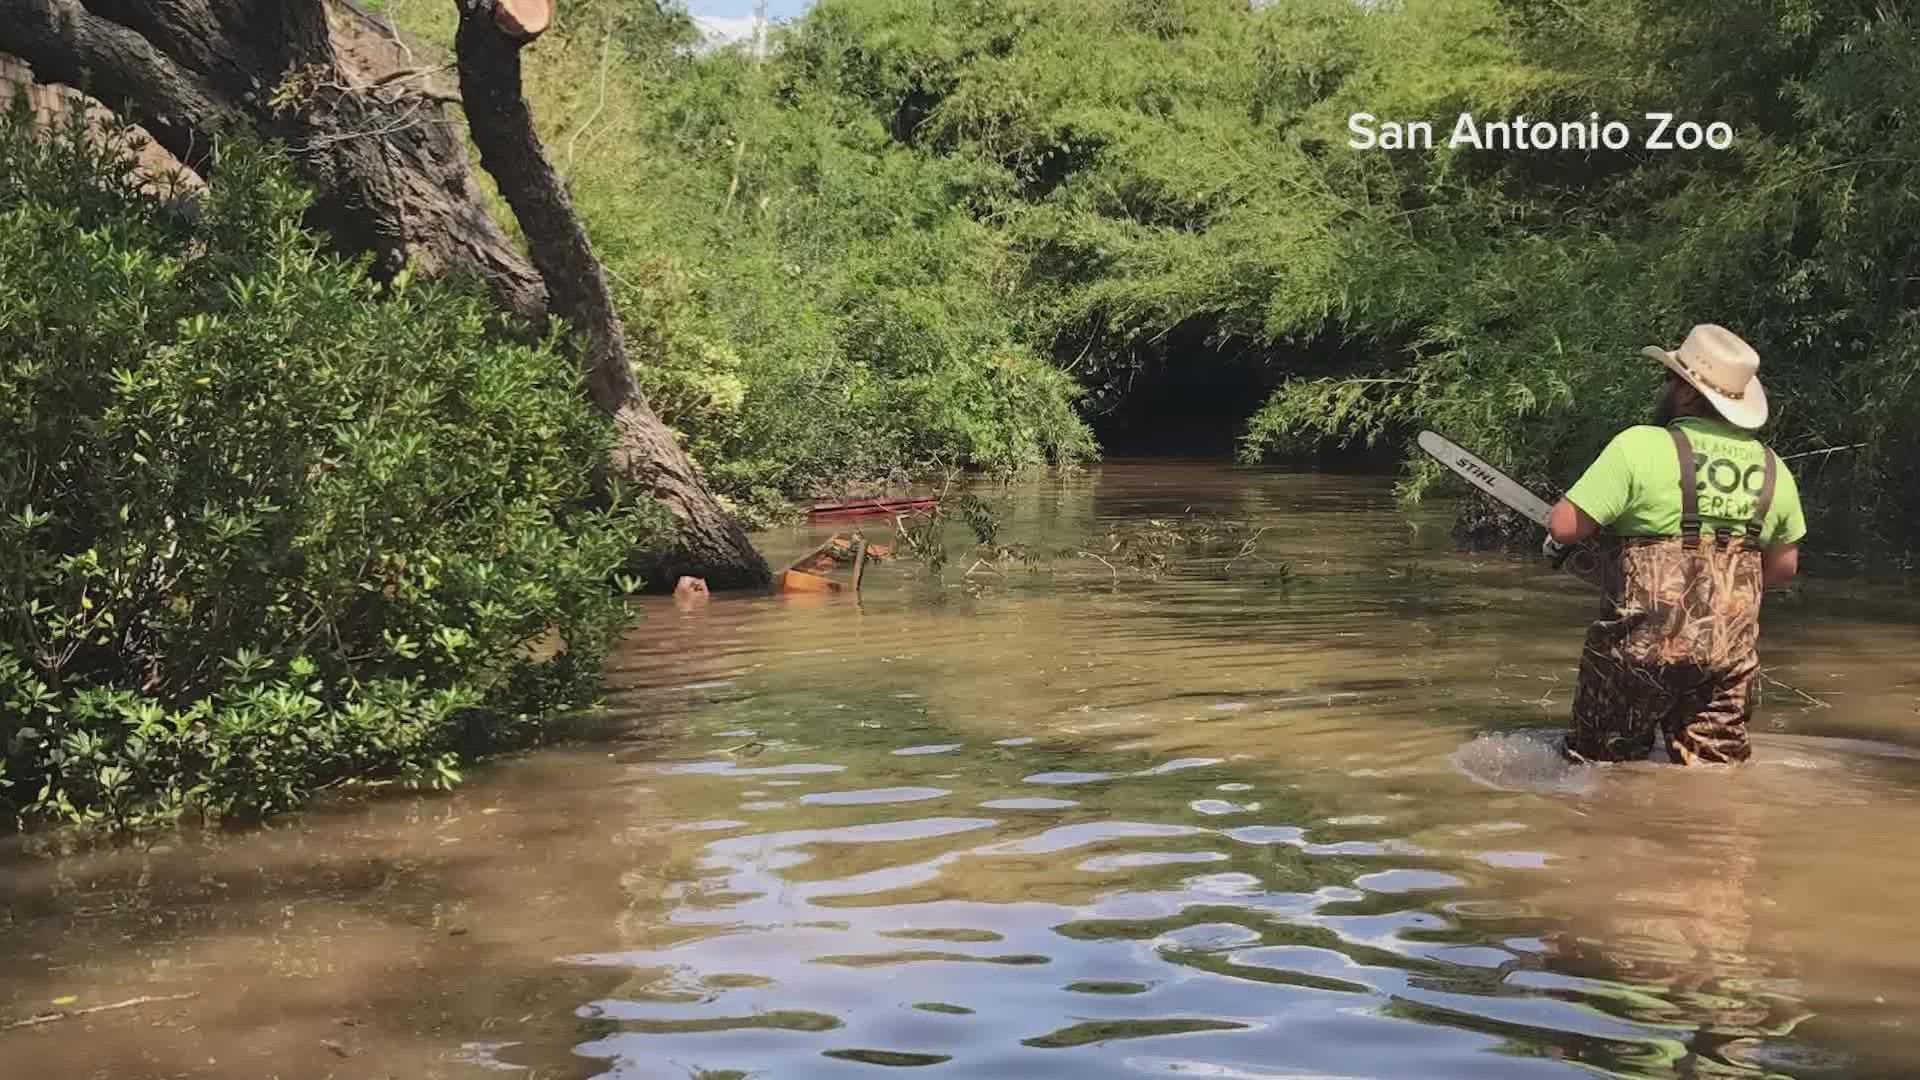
(707, 542)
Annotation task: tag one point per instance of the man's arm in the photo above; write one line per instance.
(1778, 564)
(1780, 560)
(1568, 524)
(1595, 500)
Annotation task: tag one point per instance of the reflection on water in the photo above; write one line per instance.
(1068, 824)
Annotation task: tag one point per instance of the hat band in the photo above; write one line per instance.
(1692, 372)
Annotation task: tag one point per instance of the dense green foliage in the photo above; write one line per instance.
(1525, 284)
(262, 530)
(810, 301)
(858, 250)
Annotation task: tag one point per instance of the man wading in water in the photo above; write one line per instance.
(1701, 518)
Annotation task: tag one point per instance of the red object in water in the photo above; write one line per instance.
(872, 507)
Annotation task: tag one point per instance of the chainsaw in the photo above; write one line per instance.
(1582, 560)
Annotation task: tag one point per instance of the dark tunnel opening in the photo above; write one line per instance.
(1192, 395)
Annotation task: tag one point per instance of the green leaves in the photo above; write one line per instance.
(26, 519)
(262, 530)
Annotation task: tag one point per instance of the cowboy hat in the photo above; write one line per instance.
(1725, 369)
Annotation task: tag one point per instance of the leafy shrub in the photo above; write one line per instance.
(264, 528)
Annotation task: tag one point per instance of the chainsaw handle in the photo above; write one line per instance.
(1583, 560)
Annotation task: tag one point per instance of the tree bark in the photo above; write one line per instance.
(708, 543)
(390, 176)
(388, 169)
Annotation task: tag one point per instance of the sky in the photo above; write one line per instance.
(733, 19)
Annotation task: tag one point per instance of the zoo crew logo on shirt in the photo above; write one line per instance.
(1728, 475)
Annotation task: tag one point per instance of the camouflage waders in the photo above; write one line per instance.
(1676, 648)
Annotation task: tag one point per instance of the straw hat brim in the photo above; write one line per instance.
(1747, 411)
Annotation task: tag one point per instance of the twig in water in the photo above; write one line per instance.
(1809, 698)
(1102, 562)
(64, 1014)
(1247, 548)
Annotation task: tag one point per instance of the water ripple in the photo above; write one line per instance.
(1028, 804)
(871, 796)
(1068, 777)
(934, 748)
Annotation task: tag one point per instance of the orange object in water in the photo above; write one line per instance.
(812, 572)
(802, 581)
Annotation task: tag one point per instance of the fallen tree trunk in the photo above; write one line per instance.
(388, 169)
(708, 543)
(390, 174)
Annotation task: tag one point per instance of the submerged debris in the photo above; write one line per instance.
(1147, 550)
(1486, 524)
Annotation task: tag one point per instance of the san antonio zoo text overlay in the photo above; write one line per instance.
(1653, 131)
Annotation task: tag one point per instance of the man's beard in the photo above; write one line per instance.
(1666, 409)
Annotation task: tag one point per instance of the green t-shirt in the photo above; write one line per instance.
(1633, 487)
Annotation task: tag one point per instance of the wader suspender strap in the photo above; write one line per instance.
(1760, 508)
(1689, 492)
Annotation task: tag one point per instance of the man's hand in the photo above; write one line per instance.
(1554, 550)
(1778, 564)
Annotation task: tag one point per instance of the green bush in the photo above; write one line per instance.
(264, 527)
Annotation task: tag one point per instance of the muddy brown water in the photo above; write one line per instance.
(1063, 823)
